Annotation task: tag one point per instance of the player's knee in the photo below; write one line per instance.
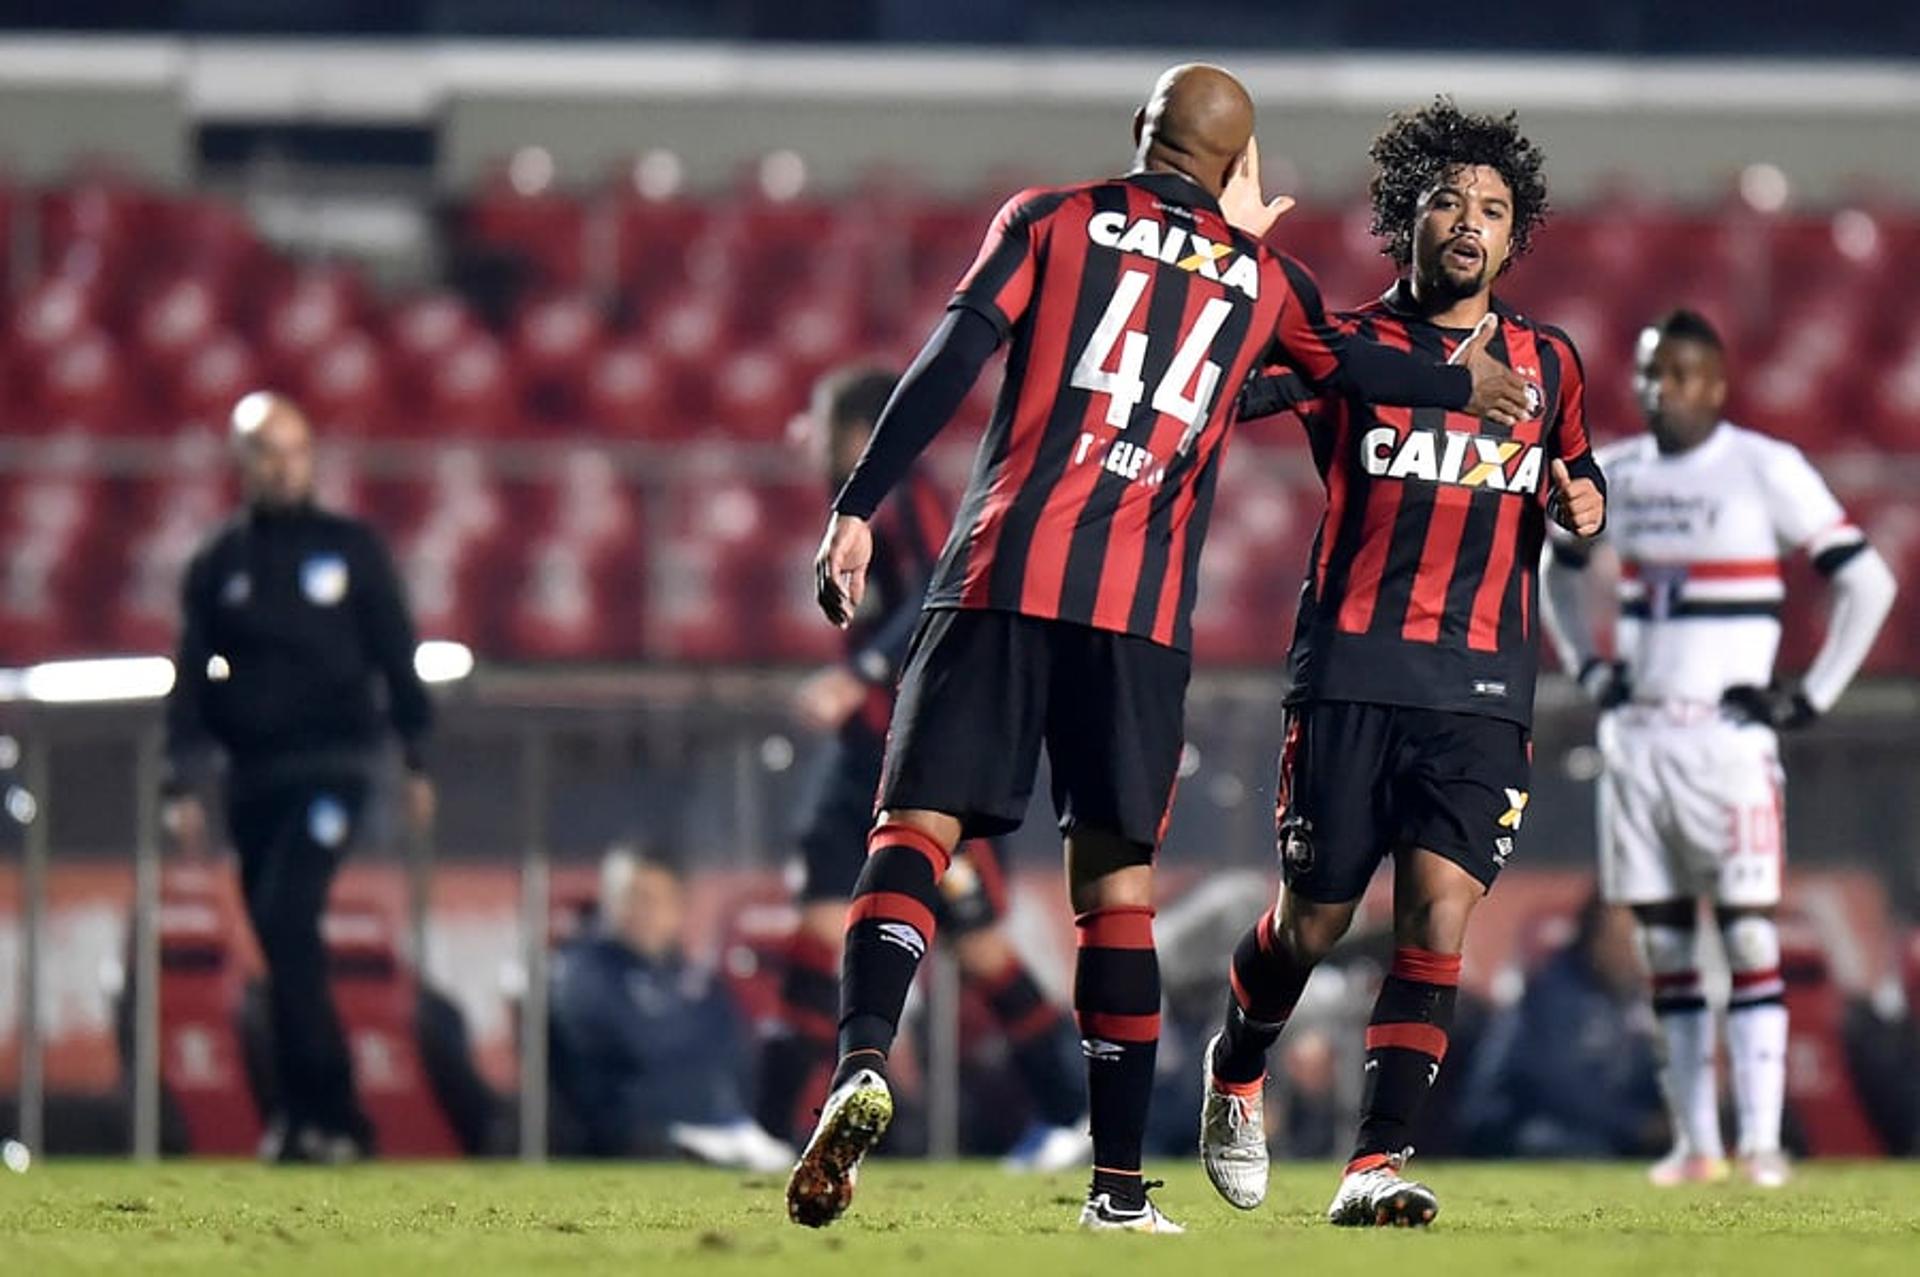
(1751, 939)
(1669, 950)
(1437, 921)
(824, 922)
(983, 953)
(937, 825)
(1307, 930)
(1131, 887)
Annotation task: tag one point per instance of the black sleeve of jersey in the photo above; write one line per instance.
(1382, 375)
(922, 404)
(390, 641)
(189, 742)
(1271, 393)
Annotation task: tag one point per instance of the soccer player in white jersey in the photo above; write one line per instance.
(1703, 512)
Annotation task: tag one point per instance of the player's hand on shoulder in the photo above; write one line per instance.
(1783, 709)
(1577, 505)
(1606, 682)
(1499, 395)
(840, 568)
(1242, 204)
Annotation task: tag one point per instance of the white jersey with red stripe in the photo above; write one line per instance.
(1701, 536)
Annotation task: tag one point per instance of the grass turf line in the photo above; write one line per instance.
(911, 1219)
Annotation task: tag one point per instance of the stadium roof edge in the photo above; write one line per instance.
(408, 81)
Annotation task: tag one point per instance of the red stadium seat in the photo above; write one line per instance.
(203, 981)
(555, 340)
(312, 311)
(345, 389)
(755, 393)
(215, 375)
(377, 994)
(473, 390)
(626, 393)
(520, 214)
(84, 383)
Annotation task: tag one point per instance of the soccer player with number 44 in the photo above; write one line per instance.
(1133, 309)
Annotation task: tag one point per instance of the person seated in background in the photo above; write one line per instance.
(644, 1039)
(1570, 1069)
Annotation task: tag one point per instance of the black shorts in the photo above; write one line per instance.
(833, 841)
(981, 691)
(1359, 781)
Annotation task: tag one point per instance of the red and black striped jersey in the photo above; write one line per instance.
(1421, 590)
(1134, 313)
(908, 530)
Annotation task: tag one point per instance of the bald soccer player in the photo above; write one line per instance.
(1133, 309)
(291, 620)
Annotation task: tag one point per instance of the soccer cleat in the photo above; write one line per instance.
(852, 1121)
(1681, 1167)
(1766, 1170)
(1047, 1149)
(1233, 1136)
(1100, 1215)
(742, 1145)
(1375, 1196)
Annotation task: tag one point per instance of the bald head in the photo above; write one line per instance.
(275, 447)
(1197, 121)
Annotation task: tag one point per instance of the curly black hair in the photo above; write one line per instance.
(1418, 148)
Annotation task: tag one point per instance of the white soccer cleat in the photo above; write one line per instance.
(1233, 1136)
(741, 1145)
(1378, 1197)
(852, 1121)
(1681, 1167)
(1766, 1170)
(1045, 1150)
(1100, 1215)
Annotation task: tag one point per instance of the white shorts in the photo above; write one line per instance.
(1690, 806)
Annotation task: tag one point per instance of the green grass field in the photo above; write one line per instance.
(915, 1218)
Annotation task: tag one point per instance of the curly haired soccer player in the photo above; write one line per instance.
(1414, 654)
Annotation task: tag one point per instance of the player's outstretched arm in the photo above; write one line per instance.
(1328, 356)
(922, 404)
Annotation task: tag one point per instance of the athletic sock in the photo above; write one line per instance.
(889, 927)
(793, 1059)
(1035, 1028)
(1116, 1000)
(1265, 983)
(1756, 1030)
(1406, 1041)
(1686, 1032)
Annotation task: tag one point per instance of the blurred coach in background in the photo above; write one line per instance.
(290, 616)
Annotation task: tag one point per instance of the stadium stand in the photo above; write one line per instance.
(642, 320)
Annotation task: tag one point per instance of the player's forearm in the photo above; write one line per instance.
(1563, 606)
(1271, 393)
(1382, 375)
(1863, 590)
(922, 404)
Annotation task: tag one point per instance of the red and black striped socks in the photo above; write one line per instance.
(1406, 1041)
(796, 1061)
(889, 929)
(1116, 1000)
(1035, 1030)
(1265, 984)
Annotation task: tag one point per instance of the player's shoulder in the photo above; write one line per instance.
(1032, 204)
(1543, 332)
(1633, 450)
(1770, 455)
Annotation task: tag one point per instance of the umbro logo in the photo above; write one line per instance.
(1101, 1049)
(906, 937)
